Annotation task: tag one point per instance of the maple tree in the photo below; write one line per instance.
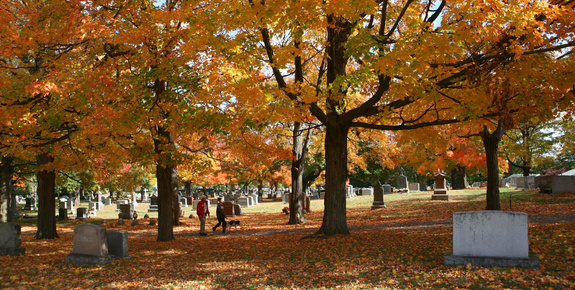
(40, 43)
(527, 145)
(388, 65)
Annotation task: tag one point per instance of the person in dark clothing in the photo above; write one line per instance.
(221, 215)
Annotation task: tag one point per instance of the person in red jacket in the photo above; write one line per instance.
(203, 211)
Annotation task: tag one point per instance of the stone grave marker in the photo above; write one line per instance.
(11, 240)
(90, 246)
(13, 212)
(491, 238)
(154, 204)
(229, 208)
(349, 191)
(285, 197)
(183, 201)
(30, 204)
(367, 191)
(145, 197)
(237, 209)
(378, 201)
(414, 187)
(386, 189)
(244, 201)
(402, 180)
(423, 186)
(82, 213)
(127, 211)
(255, 198)
(117, 243)
(62, 213)
(440, 191)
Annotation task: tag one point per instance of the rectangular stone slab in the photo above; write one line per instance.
(490, 234)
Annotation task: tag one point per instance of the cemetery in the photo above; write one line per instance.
(340, 144)
(396, 244)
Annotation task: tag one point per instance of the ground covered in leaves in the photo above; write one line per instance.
(398, 247)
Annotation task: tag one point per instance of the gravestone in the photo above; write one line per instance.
(30, 204)
(107, 200)
(367, 191)
(10, 240)
(414, 187)
(349, 191)
(423, 186)
(117, 243)
(154, 204)
(121, 201)
(562, 183)
(491, 238)
(237, 209)
(402, 180)
(244, 201)
(229, 208)
(90, 246)
(145, 197)
(440, 190)
(82, 213)
(183, 201)
(13, 212)
(62, 213)
(255, 199)
(378, 201)
(386, 189)
(250, 200)
(285, 197)
(127, 211)
(92, 206)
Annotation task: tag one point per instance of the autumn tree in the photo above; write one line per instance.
(526, 145)
(40, 43)
(385, 65)
(162, 84)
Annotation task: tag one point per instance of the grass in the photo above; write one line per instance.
(398, 247)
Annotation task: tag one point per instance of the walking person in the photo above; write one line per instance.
(221, 215)
(202, 212)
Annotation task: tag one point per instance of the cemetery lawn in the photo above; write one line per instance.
(398, 247)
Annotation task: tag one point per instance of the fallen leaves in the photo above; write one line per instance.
(387, 248)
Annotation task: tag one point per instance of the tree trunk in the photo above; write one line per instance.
(167, 178)
(261, 188)
(334, 217)
(188, 188)
(296, 202)
(6, 172)
(458, 177)
(491, 144)
(46, 199)
(526, 170)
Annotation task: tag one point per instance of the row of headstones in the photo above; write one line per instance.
(480, 238)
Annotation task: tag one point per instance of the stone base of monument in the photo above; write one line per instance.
(440, 196)
(82, 259)
(531, 262)
(378, 205)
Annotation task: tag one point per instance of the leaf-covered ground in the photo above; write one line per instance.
(399, 247)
